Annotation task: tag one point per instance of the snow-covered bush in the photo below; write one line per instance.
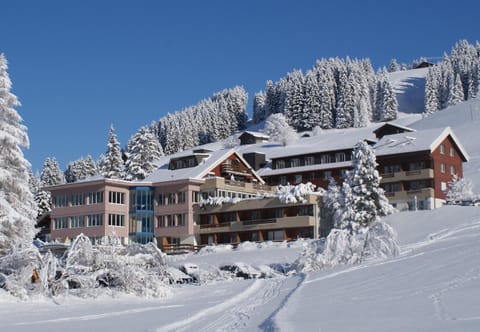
(16, 270)
(341, 247)
(459, 189)
(294, 194)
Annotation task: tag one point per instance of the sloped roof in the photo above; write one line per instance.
(395, 125)
(213, 159)
(423, 140)
(255, 134)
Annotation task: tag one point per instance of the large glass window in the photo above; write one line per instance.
(60, 201)
(141, 223)
(181, 197)
(78, 199)
(94, 220)
(95, 197)
(116, 220)
(116, 197)
(60, 223)
(141, 199)
(280, 164)
(77, 222)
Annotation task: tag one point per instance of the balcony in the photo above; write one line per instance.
(234, 185)
(259, 224)
(420, 174)
(410, 194)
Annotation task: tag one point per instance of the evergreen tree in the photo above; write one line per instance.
(17, 206)
(327, 100)
(345, 102)
(259, 111)
(277, 127)
(432, 102)
(75, 171)
(390, 103)
(91, 168)
(51, 173)
(393, 67)
(456, 91)
(363, 199)
(113, 163)
(142, 150)
(42, 198)
(295, 100)
(310, 117)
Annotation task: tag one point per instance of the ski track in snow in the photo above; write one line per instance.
(234, 314)
(99, 316)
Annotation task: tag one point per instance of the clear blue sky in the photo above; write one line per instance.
(79, 66)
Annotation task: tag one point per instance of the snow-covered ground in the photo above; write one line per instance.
(433, 285)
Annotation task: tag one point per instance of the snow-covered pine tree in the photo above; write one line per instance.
(91, 168)
(393, 67)
(364, 199)
(17, 205)
(456, 91)
(295, 100)
(113, 163)
(432, 100)
(310, 117)
(51, 173)
(75, 171)
(327, 100)
(390, 103)
(277, 127)
(259, 111)
(345, 102)
(142, 150)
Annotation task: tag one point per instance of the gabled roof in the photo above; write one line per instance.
(424, 140)
(255, 134)
(212, 160)
(393, 125)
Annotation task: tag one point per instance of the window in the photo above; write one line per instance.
(275, 235)
(279, 213)
(442, 167)
(305, 210)
(443, 186)
(452, 152)
(325, 159)
(327, 175)
(340, 156)
(181, 197)
(161, 221)
(391, 168)
(78, 199)
(280, 164)
(195, 196)
(77, 222)
(170, 220)
(310, 160)
(415, 166)
(181, 220)
(95, 197)
(442, 149)
(116, 197)
(298, 178)
(453, 170)
(95, 220)
(59, 223)
(161, 199)
(392, 187)
(191, 162)
(283, 180)
(171, 198)
(116, 220)
(343, 173)
(295, 162)
(60, 201)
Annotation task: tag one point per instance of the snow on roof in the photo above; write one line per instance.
(393, 124)
(255, 134)
(328, 140)
(163, 174)
(423, 140)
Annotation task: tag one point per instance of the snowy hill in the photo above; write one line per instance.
(409, 86)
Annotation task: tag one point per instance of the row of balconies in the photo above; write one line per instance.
(257, 224)
(420, 174)
(410, 194)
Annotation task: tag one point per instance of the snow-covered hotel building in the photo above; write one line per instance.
(415, 167)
